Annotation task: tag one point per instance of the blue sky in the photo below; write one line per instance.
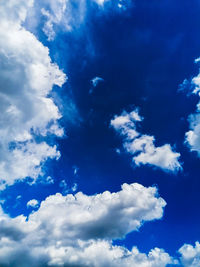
(99, 133)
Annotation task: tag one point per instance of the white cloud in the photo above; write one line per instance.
(66, 188)
(74, 187)
(119, 3)
(104, 254)
(190, 255)
(142, 146)
(56, 15)
(100, 2)
(63, 184)
(33, 203)
(91, 253)
(75, 169)
(106, 215)
(25, 160)
(27, 76)
(49, 180)
(193, 135)
(83, 235)
(95, 81)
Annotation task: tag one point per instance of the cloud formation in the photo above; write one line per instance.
(27, 76)
(190, 255)
(33, 203)
(142, 146)
(83, 235)
(66, 15)
(95, 81)
(193, 135)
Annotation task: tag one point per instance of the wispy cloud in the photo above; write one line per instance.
(193, 135)
(66, 15)
(96, 80)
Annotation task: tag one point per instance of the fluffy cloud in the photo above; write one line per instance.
(142, 146)
(190, 255)
(83, 235)
(25, 160)
(104, 254)
(91, 253)
(33, 203)
(106, 215)
(27, 77)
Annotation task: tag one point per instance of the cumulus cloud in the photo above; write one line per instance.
(190, 255)
(27, 76)
(106, 215)
(26, 160)
(91, 253)
(83, 235)
(104, 254)
(142, 146)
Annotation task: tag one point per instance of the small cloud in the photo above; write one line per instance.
(46, 180)
(95, 81)
(76, 169)
(33, 203)
(118, 151)
(141, 146)
(17, 202)
(64, 186)
(2, 201)
(49, 180)
(74, 187)
(197, 60)
(186, 86)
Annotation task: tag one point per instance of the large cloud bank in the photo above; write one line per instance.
(27, 76)
(77, 230)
